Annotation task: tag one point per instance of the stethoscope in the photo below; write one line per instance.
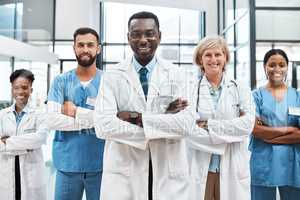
(198, 92)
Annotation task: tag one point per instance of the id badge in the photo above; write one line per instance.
(91, 101)
(294, 111)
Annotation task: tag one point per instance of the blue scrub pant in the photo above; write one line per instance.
(269, 193)
(70, 185)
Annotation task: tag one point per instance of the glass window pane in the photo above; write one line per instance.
(243, 65)
(64, 50)
(69, 65)
(277, 25)
(187, 53)
(5, 94)
(229, 12)
(114, 53)
(243, 31)
(7, 13)
(242, 6)
(189, 26)
(170, 53)
(229, 35)
(278, 3)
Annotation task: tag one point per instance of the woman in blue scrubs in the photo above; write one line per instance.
(275, 141)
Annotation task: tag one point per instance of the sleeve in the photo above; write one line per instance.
(237, 129)
(107, 125)
(29, 141)
(182, 125)
(58, 121)
(257, 101)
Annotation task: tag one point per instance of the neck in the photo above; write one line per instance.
(86, 73)
(143, 62)
(215, 80)
(19, 108)
(276, 86)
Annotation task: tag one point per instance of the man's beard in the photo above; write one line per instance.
(84, 62)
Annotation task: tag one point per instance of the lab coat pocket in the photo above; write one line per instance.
(161, 103)
(177, 158)
(198, 165)
(33, 170)
(241, 156)
(116, 158)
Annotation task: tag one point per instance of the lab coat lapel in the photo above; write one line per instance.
(133, 79)
(160, 76)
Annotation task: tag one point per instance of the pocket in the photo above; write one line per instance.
(33, 170)
(161, 103)
(116, 158)
(241, 156)
(59, 137)
(177, 158)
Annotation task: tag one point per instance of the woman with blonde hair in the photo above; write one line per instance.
(227, 112)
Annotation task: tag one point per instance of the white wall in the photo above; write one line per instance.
(72, 14)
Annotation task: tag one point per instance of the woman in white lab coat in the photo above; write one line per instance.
(227, 112)
(21, 160)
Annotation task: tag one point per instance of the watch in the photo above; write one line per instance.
(134, 115)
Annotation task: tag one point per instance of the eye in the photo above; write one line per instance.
(135, 35)
(150, 34)
(91, 44)
(272, 65)
(80, 45)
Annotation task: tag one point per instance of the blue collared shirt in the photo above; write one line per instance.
(214, 165)
(150, 66)
(18, 116)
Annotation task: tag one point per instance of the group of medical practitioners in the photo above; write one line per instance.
(170, 133)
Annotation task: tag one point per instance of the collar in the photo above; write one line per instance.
(26, 109)
(226, 81)
(127, 64)
(150, 66)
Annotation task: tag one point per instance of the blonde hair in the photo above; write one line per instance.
(210, 42)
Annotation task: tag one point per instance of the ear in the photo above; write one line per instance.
(99, 49)
(128, 36)
(159, 35)
(31, 90)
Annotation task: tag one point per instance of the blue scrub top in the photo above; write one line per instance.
(76, 151)
(272, 164)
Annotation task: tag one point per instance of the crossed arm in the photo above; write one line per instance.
(276, 135)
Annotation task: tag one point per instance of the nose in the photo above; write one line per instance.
(85, 48)
(143, 39)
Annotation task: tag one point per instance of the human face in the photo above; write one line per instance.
(276, 69)
(144, 38)
(86, 49)
(213, 61)
(21, 90)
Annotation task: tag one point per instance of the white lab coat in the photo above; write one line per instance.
(26, 141)
(226, 127)
(126, 154)
(227, 136)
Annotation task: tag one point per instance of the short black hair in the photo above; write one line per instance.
(273, 52)
(21, 73)
(144, 15)
(85, 30)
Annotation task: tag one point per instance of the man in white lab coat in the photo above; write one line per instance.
(140, 161)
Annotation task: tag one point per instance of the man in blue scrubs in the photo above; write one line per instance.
(77, 153)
